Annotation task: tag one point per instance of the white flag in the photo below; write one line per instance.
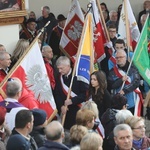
(134, 30)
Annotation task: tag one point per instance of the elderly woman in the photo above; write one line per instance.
(140, 141)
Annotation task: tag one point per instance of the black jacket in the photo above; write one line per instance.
(38, 135)
(49, 145)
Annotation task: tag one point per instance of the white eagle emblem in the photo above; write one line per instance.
(38, 82)
(96, 34)
(75, 30)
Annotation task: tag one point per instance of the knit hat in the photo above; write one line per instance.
(22, 143)
(39, 116)
(61, 17)
(2, 114)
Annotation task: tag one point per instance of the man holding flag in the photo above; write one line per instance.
(125, 79)
(72, 86)
(78, 91)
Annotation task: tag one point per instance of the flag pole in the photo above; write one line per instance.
(2, 93)
(75, 67)
(22, 57)
(52, 116)
(134, 53)
(127, 28)
(103, 21)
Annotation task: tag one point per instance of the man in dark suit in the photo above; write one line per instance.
(78, 92)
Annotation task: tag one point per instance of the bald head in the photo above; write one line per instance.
(13, 87)
(54, 131)
(47, 52)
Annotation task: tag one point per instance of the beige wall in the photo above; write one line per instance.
(62, 6)
(9, 36)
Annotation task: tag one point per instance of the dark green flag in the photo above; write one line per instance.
(141, 56)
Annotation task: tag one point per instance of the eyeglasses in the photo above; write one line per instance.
(119, 57)
(10, 79)
(112, 31)
(140, 128)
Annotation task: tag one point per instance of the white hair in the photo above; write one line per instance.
(121, 127)
(63, 60)
(122, 115)
(111, 12)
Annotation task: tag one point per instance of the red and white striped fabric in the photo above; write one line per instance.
(72, 32)
(99, 36)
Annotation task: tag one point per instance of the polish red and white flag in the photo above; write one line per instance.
(30, 69)
(72, 32)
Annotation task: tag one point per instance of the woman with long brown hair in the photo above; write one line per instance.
(98, 91)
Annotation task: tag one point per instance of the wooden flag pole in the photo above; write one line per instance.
(127, 28)
(21, 58)
(74, 69)
(103, 20)
(52, 116)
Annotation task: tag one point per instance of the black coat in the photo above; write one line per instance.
(38, 135)
(49, 145)
(104, 103)
(79, 88)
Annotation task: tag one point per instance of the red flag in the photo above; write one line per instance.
(72, 32)
(32, 72)
(99, 36)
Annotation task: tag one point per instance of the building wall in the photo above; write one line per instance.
(9, 36)
(62, 6)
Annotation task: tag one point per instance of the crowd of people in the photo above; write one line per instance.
(101, 115)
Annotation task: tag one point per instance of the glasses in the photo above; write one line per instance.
(119, 57)
(112, 31)
(10, 79)
(140, 128)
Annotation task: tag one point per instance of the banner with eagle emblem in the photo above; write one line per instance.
(30, 69)
(72, 32)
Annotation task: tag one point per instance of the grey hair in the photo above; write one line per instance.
(47, 9)
(121, 127)
(122, 115)
(2, 55)
(111, 12)
(14, 85)
(3, 47)
(63, 60)
(144, 15)
(45, 48)
(121, 51)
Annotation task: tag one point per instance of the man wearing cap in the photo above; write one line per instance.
(39, 124)
(56, 35)
(29, 32)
